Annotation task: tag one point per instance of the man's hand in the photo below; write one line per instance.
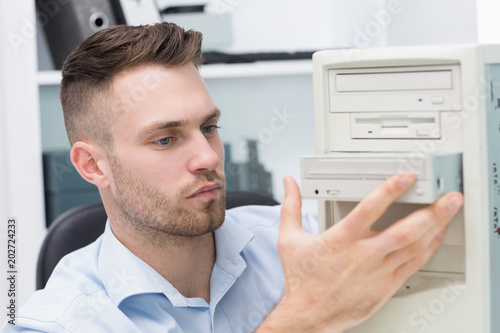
(336, 280)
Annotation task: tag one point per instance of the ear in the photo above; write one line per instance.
(87, 160)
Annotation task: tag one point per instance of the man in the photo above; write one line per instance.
(143, 129)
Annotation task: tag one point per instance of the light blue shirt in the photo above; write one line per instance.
(106, 288)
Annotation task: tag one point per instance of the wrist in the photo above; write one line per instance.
(287, 317)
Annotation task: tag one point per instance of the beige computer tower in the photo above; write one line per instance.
(434, 110)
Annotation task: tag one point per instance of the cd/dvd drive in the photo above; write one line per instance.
(343, 176)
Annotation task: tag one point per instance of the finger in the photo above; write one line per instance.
(429, 241)
(291, 216)
(411, 266)
(371, 208)
(432, 219)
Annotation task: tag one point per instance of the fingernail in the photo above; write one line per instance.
(454, 203)
(404, 182)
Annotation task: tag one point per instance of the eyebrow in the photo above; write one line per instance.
(214, 114)
(162, 125)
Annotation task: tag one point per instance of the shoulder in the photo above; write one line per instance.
(73, 298)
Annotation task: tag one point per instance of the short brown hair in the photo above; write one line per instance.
(88, 71)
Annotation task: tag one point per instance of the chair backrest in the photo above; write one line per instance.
(82, 225)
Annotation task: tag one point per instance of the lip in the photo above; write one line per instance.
(206, 191)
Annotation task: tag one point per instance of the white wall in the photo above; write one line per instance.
(433, 22)
(21, 194)
(280, 25)
(488, 22)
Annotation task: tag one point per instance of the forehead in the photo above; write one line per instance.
(137, 85)
(154, 93)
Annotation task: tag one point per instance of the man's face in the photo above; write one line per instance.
(168, 159)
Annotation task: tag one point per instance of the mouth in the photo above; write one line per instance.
(206, 192)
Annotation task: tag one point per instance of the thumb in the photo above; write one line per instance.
(291, 215)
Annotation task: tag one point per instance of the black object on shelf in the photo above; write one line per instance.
(183, 9)
(213, 57)
(67, 24)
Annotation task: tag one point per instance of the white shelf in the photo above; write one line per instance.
(223, 71)
(47, 78)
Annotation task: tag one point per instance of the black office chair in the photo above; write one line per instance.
(82, 225)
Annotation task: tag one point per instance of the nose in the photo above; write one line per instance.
(203, 157)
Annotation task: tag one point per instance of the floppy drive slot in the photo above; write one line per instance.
(424, 125)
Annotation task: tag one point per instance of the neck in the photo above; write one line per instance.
(186, 262)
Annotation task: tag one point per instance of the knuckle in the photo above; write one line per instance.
(421, 260)
(357, 257)
(363, 254)
(438, 218)
(367, 208)
(405, 236)
(440, 213)
(390, 188)
(417, 248)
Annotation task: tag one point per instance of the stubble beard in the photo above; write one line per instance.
(147, 210)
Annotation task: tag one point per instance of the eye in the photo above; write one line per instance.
(163, 141)
(209, 129)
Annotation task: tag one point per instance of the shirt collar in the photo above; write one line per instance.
(123, 274)
(230, 240)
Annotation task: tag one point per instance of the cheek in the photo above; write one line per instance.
(148, 169)
(162, 171)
